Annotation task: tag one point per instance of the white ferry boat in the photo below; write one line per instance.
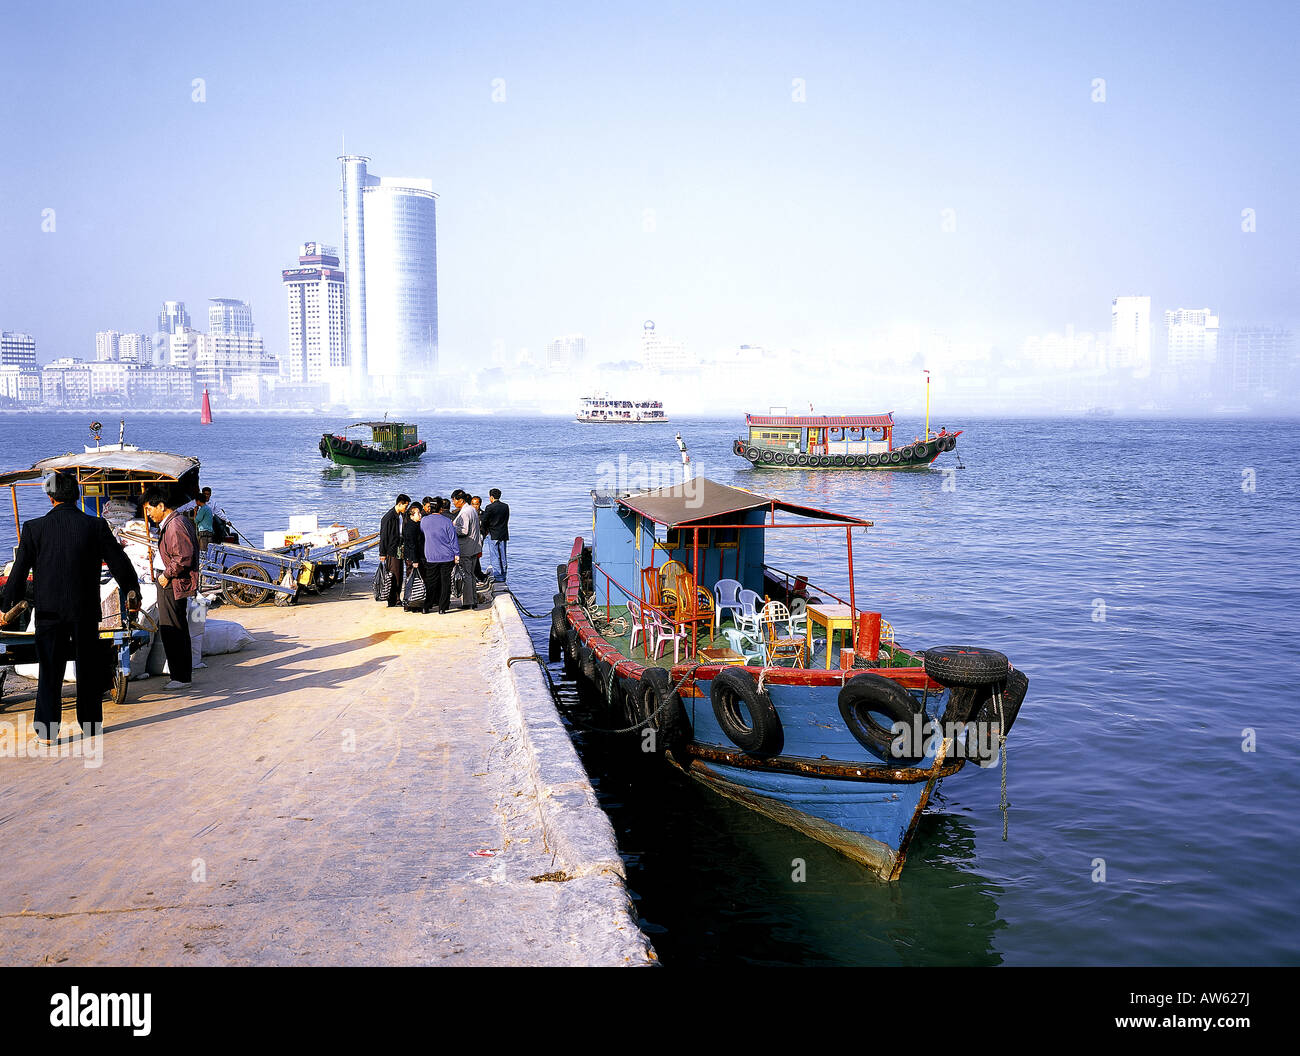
(603, 409)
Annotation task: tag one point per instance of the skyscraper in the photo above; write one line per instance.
(106, 346)
(228, 316)
(173, 318)
(564, 353)
(1130, 334)
(135, 348)
(390, 261)
(317, 324)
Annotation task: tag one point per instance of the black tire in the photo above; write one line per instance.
(895, 457)
(800, 460)
(949, 443)
(965, 665)
(586, 660)
(120, 683)
(873, 460)
(672, 725)
(571, 653)
(751, 453)
(863, 461)
(562, 576)
(862, 698)
(735, 693)
(1013, 695)
(243, 595)
(768, 457)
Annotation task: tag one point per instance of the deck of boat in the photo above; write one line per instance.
(619, 635)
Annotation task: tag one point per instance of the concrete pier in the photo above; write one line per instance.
(360, 786)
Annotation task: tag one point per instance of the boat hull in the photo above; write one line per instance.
(823, 783)
(357, 454)
(913, 457)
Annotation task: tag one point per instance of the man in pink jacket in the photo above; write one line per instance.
(178, 547)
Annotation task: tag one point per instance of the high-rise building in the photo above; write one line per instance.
(1130, 335)
(566, 352)
(183, 349)
(228, 316)
(106, 346)
(317, 323)
(17, 350)
(664, 354)
(220, 356)
(1193, 337)
(390, 259)
(173, 318)
(135, 348)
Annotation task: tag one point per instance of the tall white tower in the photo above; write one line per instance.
(354, 269)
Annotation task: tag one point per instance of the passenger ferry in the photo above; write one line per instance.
(768, 689)
(603, 409)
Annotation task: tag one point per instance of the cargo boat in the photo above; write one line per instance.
(760, 708)
(390, 443)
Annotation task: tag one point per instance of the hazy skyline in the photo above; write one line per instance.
(774, 221)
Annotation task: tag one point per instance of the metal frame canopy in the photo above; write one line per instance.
(820, 421)
(700, 500)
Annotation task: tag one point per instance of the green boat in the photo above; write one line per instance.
(390, 443)
(864, 441)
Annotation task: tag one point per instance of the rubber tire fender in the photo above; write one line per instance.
(763, 735)
(1013, 695)
(800, 460)
(752, 454)
(673, 726)
(965, 665)
(586, 660)
(559, 629)
(768, 457)
(866, 694)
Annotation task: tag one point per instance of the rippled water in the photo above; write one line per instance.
(1148, 594)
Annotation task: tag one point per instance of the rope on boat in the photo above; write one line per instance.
(530, 615)
(1002, 744)
(601, 620)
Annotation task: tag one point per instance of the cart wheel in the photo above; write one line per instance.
(243, 594)
(120, 681)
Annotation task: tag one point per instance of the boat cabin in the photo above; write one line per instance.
(686, 538)
(807, 434)
(390, 436)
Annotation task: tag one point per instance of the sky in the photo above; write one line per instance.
(658, 163)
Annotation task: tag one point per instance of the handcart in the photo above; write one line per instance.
(246, 576)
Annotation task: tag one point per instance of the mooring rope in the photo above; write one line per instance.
(1002, 739)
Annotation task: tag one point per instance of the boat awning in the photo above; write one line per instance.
(377, 425)
(810, 421)
(145, 463)
(704, 500)
(151, 464)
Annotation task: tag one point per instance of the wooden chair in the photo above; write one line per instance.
(777, 640)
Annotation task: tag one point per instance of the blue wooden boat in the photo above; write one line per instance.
(842, 737)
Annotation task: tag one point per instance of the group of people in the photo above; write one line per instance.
(63, 551)
(430, 538)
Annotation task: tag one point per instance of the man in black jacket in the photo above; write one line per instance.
(390, 538)
(495, 523)
(65, 549)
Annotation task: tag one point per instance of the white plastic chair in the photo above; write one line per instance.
(663, 631)
(742, 643)
(634, 618)
(747, 618)
(725, 593)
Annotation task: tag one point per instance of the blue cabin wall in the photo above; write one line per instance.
(614, 550)
(618, 552)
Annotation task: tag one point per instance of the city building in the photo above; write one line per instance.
(565, 353)
(227, 316)
(17, 350)
(183, 348)
(173, 318)
(20, 385)
(219, 357)
(135, 348)
(65, 383)
(391, 265)
(1256, 361)
(663, 354)
(106, 346)
(1130, 335)
(317, 320)
(1193, 338)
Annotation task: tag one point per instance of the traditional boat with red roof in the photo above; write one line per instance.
(855, 441)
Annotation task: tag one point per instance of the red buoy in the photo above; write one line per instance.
(206, 417)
